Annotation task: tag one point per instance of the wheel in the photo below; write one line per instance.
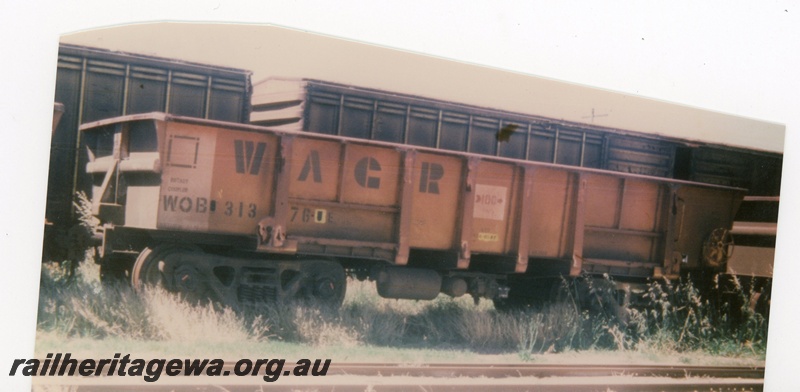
(718, 248)
(322, 283)
(164, 267)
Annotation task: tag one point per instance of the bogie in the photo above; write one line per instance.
(237, 281)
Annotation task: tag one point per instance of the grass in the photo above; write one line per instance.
(673, 324)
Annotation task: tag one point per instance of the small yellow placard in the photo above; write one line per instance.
(320, 216)
(488, 237)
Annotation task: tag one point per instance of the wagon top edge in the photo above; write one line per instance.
(149, 60)
(165, 117)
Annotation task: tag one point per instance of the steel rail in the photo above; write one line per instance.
(401, 387)
(447, 377)
(489, 370)
(535, 370)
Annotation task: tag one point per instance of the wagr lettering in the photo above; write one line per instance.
(249, 156)
(429, 177)
(364, 167)
(311, 166)
(363, 172)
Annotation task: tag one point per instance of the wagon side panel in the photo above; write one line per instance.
(553, 200)
(341, 191)
(437, 189)
(242, 189)
(492, 195)
(624, 225)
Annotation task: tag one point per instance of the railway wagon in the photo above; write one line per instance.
(94, 84)
(247, 214)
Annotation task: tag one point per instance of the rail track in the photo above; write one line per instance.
(533, 370)
(446, 377)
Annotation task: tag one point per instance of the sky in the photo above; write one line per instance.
(735, 58)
